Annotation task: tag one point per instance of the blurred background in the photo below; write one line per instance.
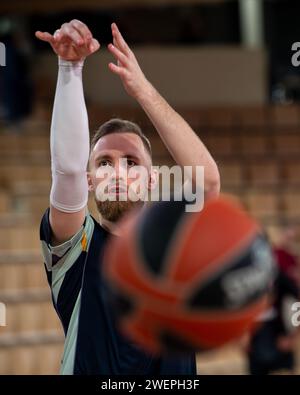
(225, 65)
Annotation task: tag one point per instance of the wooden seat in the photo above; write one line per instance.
(5, 361)
(37, 157)
(11, 321)
(31, 360)
(219, 117)
(291, 204)
(49, 317)
(31, 316)
(20, 143)
(263, 173)
(49, 357)
(287, 143)
(291, 172)
(32, 339)
(34, 276)
(19, 238)
(254, 116)
(22, 276)
(33, 204)
(262, 205)
(10, 277)
(231, 173)
(220, 145)
(24, 360)
(253, 144)
(195, 117)
(287, 115)
(15, 173)
(4, 202)
(30, 187)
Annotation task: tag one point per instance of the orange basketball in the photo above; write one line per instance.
(183, 281)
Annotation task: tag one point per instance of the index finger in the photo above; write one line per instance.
(45, 36)
(119, 39)
(82, 29)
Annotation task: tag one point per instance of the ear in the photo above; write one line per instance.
(153, 179)
(90, 181)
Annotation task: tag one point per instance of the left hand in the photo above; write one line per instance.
(127, 67)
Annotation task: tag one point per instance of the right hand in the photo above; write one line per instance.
(73, 41)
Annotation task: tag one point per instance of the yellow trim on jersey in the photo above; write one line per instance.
(84, 242)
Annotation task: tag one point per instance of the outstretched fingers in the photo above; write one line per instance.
(119, 70)
(119, 40)
(123, 59)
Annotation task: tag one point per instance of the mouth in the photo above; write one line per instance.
(117, 190)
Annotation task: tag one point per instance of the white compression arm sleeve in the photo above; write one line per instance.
(69, 141)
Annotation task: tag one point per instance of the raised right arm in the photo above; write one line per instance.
(69, 140)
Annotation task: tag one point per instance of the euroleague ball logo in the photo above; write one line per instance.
(296, 55)
(249, 281)
(296, 316)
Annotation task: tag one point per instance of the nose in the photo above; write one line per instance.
(120, 170)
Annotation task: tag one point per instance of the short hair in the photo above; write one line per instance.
(117, 125)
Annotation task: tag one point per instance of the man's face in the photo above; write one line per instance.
(119, 174)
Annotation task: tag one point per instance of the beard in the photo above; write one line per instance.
(114, 210)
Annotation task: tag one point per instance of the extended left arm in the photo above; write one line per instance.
(183, 144)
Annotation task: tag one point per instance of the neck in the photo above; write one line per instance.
(111, 227)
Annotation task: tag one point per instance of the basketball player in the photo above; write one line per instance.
(72, 240)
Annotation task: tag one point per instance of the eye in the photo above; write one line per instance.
(131, 162)
(104, 162)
